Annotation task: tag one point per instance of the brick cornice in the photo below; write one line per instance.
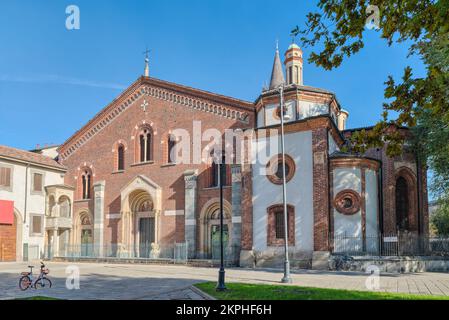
(200, 100)
(352, 161)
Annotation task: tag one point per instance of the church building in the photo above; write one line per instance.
(133, 198)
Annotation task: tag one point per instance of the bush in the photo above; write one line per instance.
(440, 219)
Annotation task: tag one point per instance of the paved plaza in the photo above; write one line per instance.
(146, 281)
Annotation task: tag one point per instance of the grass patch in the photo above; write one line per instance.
(246, 291)
(38, 298)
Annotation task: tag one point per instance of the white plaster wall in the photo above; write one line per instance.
(290, 108)
(332, 144)
(371, 194)
(261, 118)
(35, 202)
(311, 109)
(299, 193)
(50, 152)
(347, 178)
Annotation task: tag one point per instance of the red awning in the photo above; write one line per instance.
(6, 212)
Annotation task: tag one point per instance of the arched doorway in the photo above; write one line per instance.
(83, 233)
(140, 210)
(144, 222)
(210, 228)
(402, 204)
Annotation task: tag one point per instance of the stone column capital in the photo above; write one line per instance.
(236, 171)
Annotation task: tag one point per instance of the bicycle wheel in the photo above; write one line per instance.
(24, 283)
(42, 283)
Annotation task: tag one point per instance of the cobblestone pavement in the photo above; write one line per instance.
(144, 281)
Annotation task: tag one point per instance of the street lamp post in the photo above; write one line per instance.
(286, 278)
(221, 274)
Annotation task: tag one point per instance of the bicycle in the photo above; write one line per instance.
(42, 281)
(342, 262)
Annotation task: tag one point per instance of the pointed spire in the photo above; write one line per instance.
(277, 74)
(147, 63)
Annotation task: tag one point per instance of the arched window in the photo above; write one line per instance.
(171, 142)
(121, 157)
(402, 204)
(86, 184)
(64, 207)
(145, 144)
(276, 225)
(214, 170)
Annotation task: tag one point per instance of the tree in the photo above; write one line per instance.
(422, 104)
(440, 219)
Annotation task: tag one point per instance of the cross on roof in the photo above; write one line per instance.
(146, 53)
(144, 106)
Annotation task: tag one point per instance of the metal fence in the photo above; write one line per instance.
(231, 254)
(176, 252)
(391, 244)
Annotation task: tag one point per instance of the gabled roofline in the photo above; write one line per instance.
(229, 101)
(99, 114)
(60, 168)
(219, 98)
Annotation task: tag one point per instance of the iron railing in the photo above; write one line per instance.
(176, 252)
(231, 254)
(390, 244)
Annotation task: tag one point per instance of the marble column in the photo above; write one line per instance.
(99, 218)
(54, 244)
(190, 178)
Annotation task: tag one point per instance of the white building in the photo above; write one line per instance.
(29, 183)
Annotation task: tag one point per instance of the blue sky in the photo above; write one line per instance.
(52, 80)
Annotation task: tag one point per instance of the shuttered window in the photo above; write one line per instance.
(5, 177)
(36, 224)
(37, 182)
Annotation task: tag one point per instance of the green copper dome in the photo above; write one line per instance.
(293, 46)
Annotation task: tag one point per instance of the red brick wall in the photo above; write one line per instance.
(389, 176)
(320, 189)
(164, 116)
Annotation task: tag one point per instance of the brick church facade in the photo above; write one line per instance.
(133, 198)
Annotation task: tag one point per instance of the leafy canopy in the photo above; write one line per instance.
(336, 32)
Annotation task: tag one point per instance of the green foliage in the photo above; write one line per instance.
(247, 291)
(440, 218)
(336, 32)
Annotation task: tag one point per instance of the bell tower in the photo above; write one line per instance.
(293, 64)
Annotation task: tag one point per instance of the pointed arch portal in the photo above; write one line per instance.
(141, 207)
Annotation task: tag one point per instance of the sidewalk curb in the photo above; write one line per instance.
(202, 293)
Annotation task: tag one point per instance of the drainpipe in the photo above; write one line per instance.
(26, 194)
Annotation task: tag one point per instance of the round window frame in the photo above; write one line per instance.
(277, 113)
(271, 173)
(355, 198)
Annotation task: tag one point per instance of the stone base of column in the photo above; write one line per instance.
(320, 260)
(246, 259)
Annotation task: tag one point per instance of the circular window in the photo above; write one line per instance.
(347, 202)
(274, 169)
